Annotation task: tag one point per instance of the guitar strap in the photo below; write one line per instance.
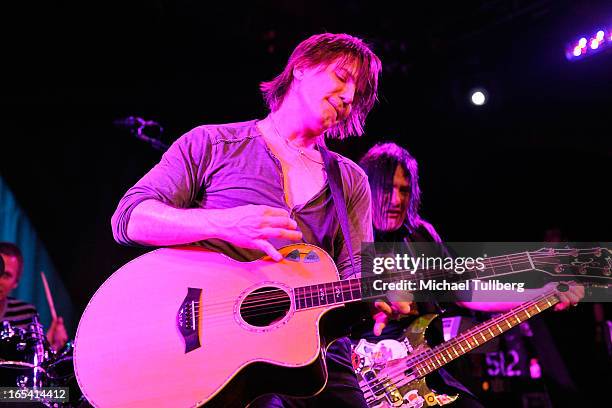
(334, 179)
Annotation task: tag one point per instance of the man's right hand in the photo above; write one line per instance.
(250, 226)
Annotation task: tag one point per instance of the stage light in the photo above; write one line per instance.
(478, 98)
(586, 45)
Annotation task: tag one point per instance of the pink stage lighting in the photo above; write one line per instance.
(589, 45)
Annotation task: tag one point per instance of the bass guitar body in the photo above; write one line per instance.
(383, 374)
(184, 327)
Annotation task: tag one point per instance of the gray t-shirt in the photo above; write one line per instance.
(229, 165)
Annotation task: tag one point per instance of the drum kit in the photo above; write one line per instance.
(28, 363)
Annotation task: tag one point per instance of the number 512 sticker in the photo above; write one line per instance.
(503, 364)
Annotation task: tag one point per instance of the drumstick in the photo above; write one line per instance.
(49, 297)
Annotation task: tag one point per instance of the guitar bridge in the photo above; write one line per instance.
(188, 319)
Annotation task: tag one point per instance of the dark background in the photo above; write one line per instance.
(536, 157)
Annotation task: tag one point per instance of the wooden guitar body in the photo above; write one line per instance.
(183, 327)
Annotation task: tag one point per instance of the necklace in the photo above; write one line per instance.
(301, 152)
(301, 155)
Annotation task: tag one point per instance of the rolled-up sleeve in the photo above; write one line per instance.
(176, 180)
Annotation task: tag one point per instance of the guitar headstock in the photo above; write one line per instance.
(593, 262)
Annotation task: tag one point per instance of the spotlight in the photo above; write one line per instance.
(594, 44)
(600, 35)
(478, 97)
(583, 42)
(577, 51)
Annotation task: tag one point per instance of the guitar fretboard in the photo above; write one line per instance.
(356, 289)
(429, 361)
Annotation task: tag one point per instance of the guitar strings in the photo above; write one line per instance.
(269, 305)
(280, 298)
(498, 264)
(261, 312)
(276, 294)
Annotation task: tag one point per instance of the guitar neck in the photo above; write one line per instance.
(444, 353)
(357, 289)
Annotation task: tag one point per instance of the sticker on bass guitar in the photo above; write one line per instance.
(443, 399)
(413, 400)
(377, 355)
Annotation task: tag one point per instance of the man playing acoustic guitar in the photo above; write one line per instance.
(246, 189)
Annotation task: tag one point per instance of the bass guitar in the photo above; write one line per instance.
(392, 373)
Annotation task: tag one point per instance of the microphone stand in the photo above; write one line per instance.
(137, 128)
(155, 143)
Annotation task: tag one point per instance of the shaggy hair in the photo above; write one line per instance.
(323, 50)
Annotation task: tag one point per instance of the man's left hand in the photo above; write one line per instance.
(570, 297)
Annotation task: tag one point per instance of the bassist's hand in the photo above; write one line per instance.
(384, 311)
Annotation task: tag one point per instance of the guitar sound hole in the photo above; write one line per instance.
(265, 306)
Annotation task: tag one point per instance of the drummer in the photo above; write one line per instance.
(18, 312)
